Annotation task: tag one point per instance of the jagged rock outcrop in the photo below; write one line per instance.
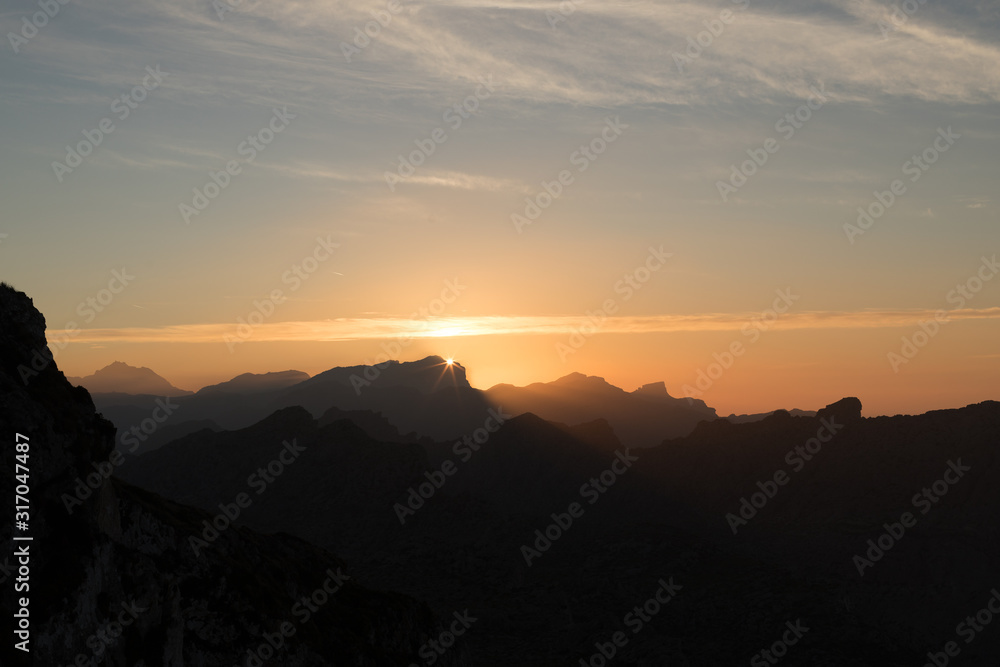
(116, 574)
(846, 410)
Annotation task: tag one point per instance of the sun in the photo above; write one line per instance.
(449, 361)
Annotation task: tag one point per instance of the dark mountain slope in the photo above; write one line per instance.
(120, 548)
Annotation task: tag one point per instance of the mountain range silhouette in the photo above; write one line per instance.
(422, 398)
(104, 552)
(550, 513)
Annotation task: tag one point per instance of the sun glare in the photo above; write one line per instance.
(445, 332)
(449, 361)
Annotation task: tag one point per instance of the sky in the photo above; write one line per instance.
(762, 204)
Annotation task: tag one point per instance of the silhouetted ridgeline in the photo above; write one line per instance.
(124, 556)
(821, 539)
(763, 524)
(417, 398)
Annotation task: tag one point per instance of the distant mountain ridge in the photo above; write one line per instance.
(747, 418)
(641, 418)
(428, 397)
(119, 377)
(426, 375)
(252, 382)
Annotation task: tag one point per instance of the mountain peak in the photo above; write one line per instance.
(655, 389)
(426, 375)
(579, 379)
(847, 409)
(120, 377)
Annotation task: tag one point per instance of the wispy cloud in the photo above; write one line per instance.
(428, 177)
(974, 202)
(606, 54)
(349, 329)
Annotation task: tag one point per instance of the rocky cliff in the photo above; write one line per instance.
(120, 576)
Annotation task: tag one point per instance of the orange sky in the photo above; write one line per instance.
(508, 176)
(795, 368)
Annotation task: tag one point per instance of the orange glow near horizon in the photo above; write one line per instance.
(598, 212)
(803, 368)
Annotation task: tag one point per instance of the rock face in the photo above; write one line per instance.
(117, 576)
